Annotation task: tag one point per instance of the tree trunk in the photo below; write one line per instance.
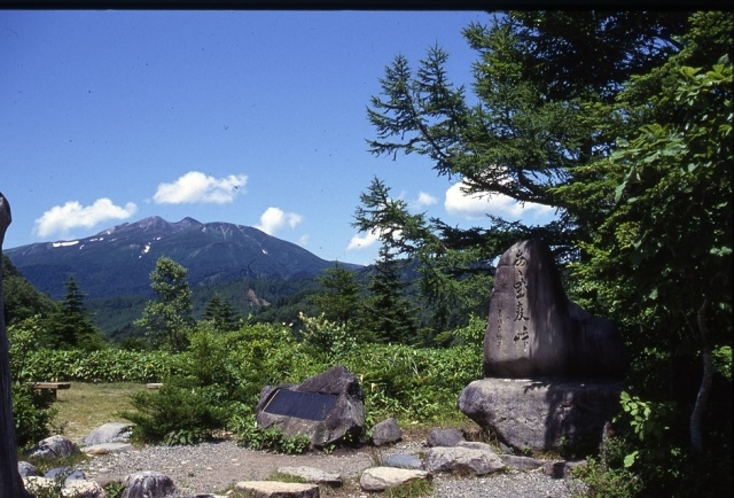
(11, 485)
(703, 391)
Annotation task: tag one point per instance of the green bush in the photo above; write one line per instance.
(32, 414)
(177, 413)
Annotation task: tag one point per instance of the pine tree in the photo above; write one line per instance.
(220, 312)
(388, 315)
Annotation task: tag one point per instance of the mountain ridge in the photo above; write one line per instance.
(117, 261)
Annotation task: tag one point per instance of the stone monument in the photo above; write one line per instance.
(327, 407)
(552, 370)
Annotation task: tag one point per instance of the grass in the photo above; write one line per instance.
(85, 407)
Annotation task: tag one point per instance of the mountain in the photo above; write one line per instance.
(118, 261)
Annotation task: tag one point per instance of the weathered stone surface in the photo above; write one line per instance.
(386, 432)
(71, 489)
(311, 474)
(462, 460)
(535, 331)
(542, 415)
(274, 489)
(66, 473)
(381, 478)
(345, 416)
(148, 484)
(445, 437)
(54, 447)
(404, 461)
(27, 469)
(112, 432)
(107, 448)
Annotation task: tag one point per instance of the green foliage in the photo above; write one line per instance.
(339, 295)
(21, 299)
(69, 327)
(32, 414)
(220, 311)
(414, 488)
(177, 414)
(249, 435)
(328, 339)
(168, 319)
(605, 476)
(388, 315)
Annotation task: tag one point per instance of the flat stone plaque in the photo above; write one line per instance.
(308, 406)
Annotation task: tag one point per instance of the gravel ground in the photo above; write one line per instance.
(212, 467)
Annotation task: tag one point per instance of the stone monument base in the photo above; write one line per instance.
(564, 415)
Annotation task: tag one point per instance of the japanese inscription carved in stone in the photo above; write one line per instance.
(534, 330)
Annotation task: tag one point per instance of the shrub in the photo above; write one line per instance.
(32, 414)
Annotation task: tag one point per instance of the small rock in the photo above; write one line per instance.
(26, 469)
(65, 473)
(268, 489)
(445, 437)
(147, 484)
(386, 432)
(54, 447)
(404, 461)
(381, 478)
(313, 475)
(113, 432)
(107, 448)
(463, 460)
(560, 469)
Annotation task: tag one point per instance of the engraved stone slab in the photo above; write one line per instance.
(326, 407)
(308, 406)
(534, 330)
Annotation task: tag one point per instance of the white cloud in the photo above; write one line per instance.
(273, 219)
(475, 206)
(362, 241)
(303, 240)
(423, 200)
(196, 187)
(61, 219)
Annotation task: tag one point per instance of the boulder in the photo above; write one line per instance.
(112, 432)
(27, 469)
(463, 460)
(312, 475)
(381, 478)
(327, 407)
(148, 484)
(535, 331)
(386, 432)
(445, 437)
(275, 489)
(403, 461)
(543, 415)
(53, 447)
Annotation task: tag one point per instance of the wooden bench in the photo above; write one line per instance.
(51, 386)
(154, 385)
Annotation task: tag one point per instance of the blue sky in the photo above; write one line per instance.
(250, 117)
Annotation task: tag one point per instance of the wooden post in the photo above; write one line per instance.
(11, 485)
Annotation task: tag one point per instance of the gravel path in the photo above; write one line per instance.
(212, 467)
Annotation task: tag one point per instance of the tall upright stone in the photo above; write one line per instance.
(552, 370)
(11, 485)
(534, 330)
